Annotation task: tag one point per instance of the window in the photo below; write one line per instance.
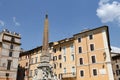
(9, 64)
(79, 40)
(60, 65)
(31, 61)
(60, 76)
(36, 59)
(72, 57)
(59, 57)
(81, 73)
(64, 70)
(71, 48)
(90, 37)
(73, 69)
(60, 49)
(11, 46)
(93, 59)
(117, 72)
(54, 58)
(7, 74)
(92, 47)
(26, 63)
(80, 49)
(54, 66)
(64, 50)
(54, 50)
(81, 61)
(12, 39)
(64, 58)
(94, 72)
(10, 54)
(117, 66)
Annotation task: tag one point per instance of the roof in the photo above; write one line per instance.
(34, 49)
(91, 30)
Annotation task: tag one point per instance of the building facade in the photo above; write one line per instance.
(29, 61)
(85, 56)
(116, 65)
(9, 54)
(93, 59)
(64, 59)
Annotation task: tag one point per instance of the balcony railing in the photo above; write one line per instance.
(69, 75)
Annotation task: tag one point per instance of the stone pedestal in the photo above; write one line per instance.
(45, 70)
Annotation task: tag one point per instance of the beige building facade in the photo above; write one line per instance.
(85, 56)
(29, 61)
(9, 54)
(93, 55)
(64, 59)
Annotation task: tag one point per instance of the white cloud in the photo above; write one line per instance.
(115, 49)
(109, 12)
(15, 22)
(2, 23)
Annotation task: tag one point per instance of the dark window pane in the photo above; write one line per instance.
(26, 63)
(80, 49)
(12, 39)
(60, 65)
(81, 73)
(117, 66)
(54, 66)
(93, 59)
(90, 36)
(10, 54)
(53, 58)
(79, 39)
(7, 74)
(91, 47)
(54, 50)
(9, 64)
(94, 72)
(59, 56)
(11, 46)
(81, 61)
(117, 72)
(60, 49)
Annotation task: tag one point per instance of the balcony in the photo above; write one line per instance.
(69, 75)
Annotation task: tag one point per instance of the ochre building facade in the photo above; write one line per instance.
(85, 56)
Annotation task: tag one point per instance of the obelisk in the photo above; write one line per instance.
(44, 68)
(45, 36)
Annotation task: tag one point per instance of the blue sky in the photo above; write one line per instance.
(66, 17)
